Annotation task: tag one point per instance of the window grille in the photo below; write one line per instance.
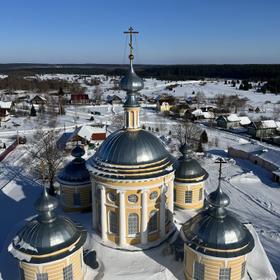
(198, 271)
(68, 272)
(188, 197)
(153, 221)
(133, 224)
(224, 274)
(113, 222)
(42, 276)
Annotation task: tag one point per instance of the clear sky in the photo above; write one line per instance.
(171, 31)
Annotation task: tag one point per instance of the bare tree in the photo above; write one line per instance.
(49, 157)
(188, 132)
(118, 121)
(200, 98)
(97, 93)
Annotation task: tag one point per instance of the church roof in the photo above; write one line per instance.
(48, 233)
(215, 231)
(188, 168)
(75, 172)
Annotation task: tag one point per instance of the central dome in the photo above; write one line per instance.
(125, 147)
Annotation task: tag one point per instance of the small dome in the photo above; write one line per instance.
(217, 232)
(41, 238)
(75, 172)
(78, 152)
(187, 167)
(47, 232)
(206, 232)
(131, 148)
(131, 82)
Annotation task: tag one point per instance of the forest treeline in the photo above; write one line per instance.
(250, 72)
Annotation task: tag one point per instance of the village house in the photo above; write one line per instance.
(231, 121)
(165, 102)
(269, 159)
(5, 108)
(199, 114)
(263, 129)
(85, 135)
(114, 99)
(79, 98)
(39, 100)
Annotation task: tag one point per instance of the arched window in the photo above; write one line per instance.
(153, 221)
(133, 224)
(113, 222)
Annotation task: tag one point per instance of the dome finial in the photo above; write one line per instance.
(45, 207)
(131, 83)
(218, 199)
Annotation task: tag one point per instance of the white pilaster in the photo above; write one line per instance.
(122, 224)
(171, 199)
(162, 211)
(144, 218)
(94, 208)
(104, 221)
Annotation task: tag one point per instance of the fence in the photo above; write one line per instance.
(8, 150)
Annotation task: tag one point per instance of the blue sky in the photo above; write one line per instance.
(171, 32)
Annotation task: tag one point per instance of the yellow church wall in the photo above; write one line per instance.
(179, 200)
(67, 194)
(212, 265)
(150, 186)
(55, 269)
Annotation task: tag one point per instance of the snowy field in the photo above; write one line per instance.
(254, 197)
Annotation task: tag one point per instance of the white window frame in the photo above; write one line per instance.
(152, 214)
(129, 225)
(225, 273)
(109, 222)
(186, 196)
(134, 195)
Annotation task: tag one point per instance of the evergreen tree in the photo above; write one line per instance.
(33, 112)
(204, 137)
(199, 147)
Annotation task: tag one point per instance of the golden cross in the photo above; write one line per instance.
(131, 31)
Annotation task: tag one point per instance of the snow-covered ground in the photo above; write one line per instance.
(254, 197)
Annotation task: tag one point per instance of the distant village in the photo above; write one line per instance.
(228, 113)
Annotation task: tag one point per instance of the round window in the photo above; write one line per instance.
(133, 198)
(153, 195)
(112, 197)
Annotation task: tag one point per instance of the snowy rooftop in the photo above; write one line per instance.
(5, 104)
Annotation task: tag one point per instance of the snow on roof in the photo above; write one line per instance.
(271, 156)
(266, 124)
(5, 104)
(233, 118)
(258, 264)
(244, 120)
(197, 112)
(85, 132)
(206, 115)
(248, 148)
